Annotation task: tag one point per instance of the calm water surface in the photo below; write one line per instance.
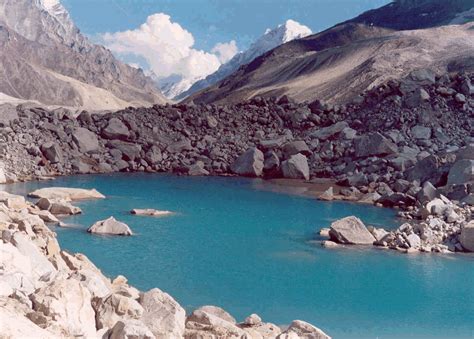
(249, 250)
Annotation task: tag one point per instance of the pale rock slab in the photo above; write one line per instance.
(350, 230)
(66, 193)
(162, 314)
(68, 304)
(303, 330)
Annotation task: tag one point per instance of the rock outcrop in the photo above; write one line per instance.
(49, 293)
(150, 212)
(352, 231)
(70, 194)
(377, 148)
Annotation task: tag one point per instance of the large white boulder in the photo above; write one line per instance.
(14, 324)
(350, 230)
(66, 193)
(203, 324)
(130, 329)
(110, 226)
(67, 303)
(116, 307)
(302, 330)
(40, 265)
(17, 272)
(13, 201)
(162, 314)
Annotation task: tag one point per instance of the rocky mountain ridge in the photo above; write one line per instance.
(359, 54)
(272, 38)
(54, 52)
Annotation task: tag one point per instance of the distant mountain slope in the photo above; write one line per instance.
(45, 58)
(272, 38)
(336, 64)
(415, 14)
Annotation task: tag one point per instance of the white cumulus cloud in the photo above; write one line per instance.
(225, 51)
(168, 49)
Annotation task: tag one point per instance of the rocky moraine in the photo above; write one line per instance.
(407, 145)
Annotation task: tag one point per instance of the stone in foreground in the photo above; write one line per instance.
(162, 314)
(110, 226)
(66, 193)
(302, 329)
(350, 230)
(149, 212)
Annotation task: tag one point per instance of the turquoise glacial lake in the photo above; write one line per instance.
(250, 250)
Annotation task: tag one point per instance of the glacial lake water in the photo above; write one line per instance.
(250, 250)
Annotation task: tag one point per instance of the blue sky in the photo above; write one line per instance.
(214, 21)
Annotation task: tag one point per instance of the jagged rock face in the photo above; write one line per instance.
(347, 59)
(54, 52)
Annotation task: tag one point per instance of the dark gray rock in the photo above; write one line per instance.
(295, 147)
(52, 152)
(116, 129)
(374, 144)
(86, 141)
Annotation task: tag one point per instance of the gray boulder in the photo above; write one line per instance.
(250, 163)
(330, 131)
(374, 144)
(110, 226)
(421, 132)
(86, 140)
(350, 230)
(129, 151)
(295, 147)
(180, 146)
(461, 172)
(426, 169)
(296, 167)
(52, 152)
(116, 129)
(427, 193)
(467, 236)
(197, 169)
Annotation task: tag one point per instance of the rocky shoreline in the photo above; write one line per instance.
(49, 292)
(407, 144)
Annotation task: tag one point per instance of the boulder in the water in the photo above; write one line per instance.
(149, 212)
(350, 230)
(110, 226)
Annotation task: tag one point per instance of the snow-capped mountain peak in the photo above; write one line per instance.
(53, 7)
(288, 31)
